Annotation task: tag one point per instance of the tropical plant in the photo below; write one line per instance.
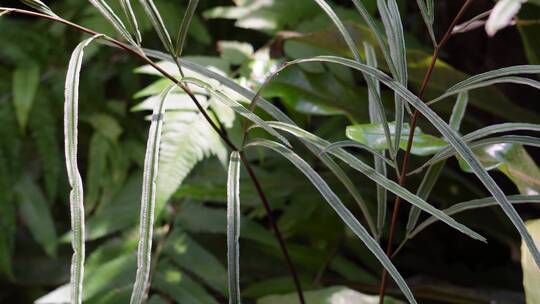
(222, 106)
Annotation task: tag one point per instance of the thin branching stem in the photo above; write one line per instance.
(406, 157)
(138, 53)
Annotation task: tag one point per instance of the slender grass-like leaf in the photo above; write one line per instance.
(507, 139)
(453, 138)
(511, 79)
(116, 22)
(428, 14)
(186, 21)
(148, 198)
(371, 60)
(155, 18)
(71, 114)
(370, 82)
(233, 228)
(476, 204)
(132, 20)
(354, 144)
(39, 6)
(389, 11)
(508, 71)
(277, 114)
(376, 177)
(334, 201)
(434, 171)
(234, 105)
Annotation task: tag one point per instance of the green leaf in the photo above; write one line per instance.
(372, 135)
(71, 113)
(179, 286)
(36, 213)
(189, 255)
(97, 169)
(453, 138)
(25, 85)
(184, 27)
(116, 22)
(40, 6)
(106, 125)
(531, 272)
(475, 204)
(427, 12)
(233, 228)
(155, 18)
(347, 217)
(328, 295)
(148, 200)
(132, 20)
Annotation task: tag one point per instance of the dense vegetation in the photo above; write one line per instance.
(244, 64)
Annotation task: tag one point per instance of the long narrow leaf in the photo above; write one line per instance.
(434, 171)
(148, 200)
(374, 117)
(453, 138)
(376, 177)
(186, 21)
(352, 46)
(347, 217)
(155, 18)
(40, 6)
(132, 20)
(71, 114)
(428, 14)
(476, 204)
(233, 228)
(508, 71)
(116, 22)
(354, 144)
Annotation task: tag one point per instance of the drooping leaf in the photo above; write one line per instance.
(347, 217)
(148, 200)
(25, 85)
(71, 109)
(233, 228)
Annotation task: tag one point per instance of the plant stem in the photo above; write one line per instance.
(138, 53)
(406, 157)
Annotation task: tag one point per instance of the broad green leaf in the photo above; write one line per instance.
(40, 6)
(116, 22)
(328, 295)
(347, 217)
(531, 272)
(476, 204)
(235, 52)
(512, 160)
(157, 22)
(179, 286)
(233, 228)
(25, 85)
(148, 201)
(71, 113)
(106, 125)
(453, 138)
(189, 255)
(443, 76)
(372, 135)
(37, 215)
(97, 168)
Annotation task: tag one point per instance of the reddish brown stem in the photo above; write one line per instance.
(406, 157)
